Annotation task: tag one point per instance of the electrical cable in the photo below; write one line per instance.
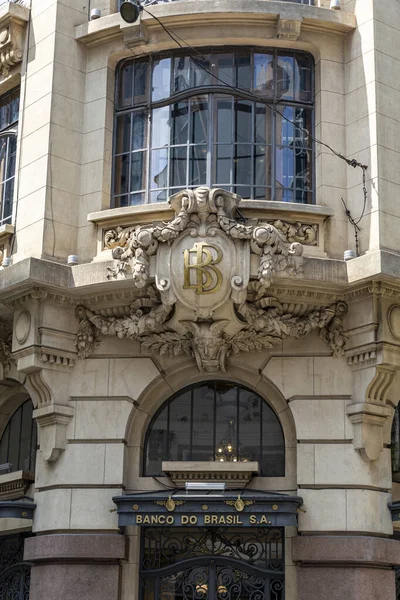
(352, 162)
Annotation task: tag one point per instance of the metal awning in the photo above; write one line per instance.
(13, 509)
(207, 509)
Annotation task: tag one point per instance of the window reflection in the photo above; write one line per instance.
(260, 150)
(216, 421)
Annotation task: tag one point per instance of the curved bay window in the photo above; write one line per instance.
(18, 442)
(179, 125)
(216, 421)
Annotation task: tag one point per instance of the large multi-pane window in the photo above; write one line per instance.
(216, 421)
(9, 109)
(180, 124)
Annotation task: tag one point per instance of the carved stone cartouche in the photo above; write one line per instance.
(203, 263)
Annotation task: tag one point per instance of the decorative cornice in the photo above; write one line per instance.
(15, 485)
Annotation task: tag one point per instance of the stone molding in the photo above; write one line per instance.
(12, 31)
(171, 319)
(288, 29)
(235, 474)
(77, 547)
(346, 550)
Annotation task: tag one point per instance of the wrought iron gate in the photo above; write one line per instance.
(212, 564)
(14, 573)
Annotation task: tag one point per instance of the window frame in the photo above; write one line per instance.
(33, 438)
(211, 92)
(8, 132)
(213, 383)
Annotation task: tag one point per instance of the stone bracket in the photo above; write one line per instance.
(12, 30)
(288, 29)
(53, 421)
(368, 421)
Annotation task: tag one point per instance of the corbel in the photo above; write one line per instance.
(49, 392)
(288, 29)
(369, 417)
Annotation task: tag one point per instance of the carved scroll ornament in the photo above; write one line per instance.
(205, 260)
(202, 212)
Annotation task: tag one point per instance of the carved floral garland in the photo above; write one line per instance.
(266, 322)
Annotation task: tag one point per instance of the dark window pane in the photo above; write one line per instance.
(262, 194)
(135, 199)
(224, 164)
(156, 444)
(199, 76)
(123, 134)
(138, 165)
(242, 164)
(179, 125)
(160, 127)
(199, 122)
(262, 165)
(25, 441)
(126, 86)
(181, 73)
(226, 423)
(248, 423)
(198, 165)
(161, 79)
(8, 189)
(179, 428)
(4, 446)
(140, 82)
(12, 151)
(139, 130)
(284, 126)
(273, 461)
(243, 120)
(263, 133)
(178, 166)
(14, 107)
(285, 78)
(264, 74)
(284, 195)
(303, 79)
(303, 169)
(284, 167)
(224, 120)
(225, 69)
(303, 197)
(203, 423)
(122, 174)
(3, 158)
(243, 71)
(122, 201)
(159, 169)
(302, 130)
(158, 196)
(14, 446)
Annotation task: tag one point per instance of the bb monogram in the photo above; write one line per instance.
(201, 259)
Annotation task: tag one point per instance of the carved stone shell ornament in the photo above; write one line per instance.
(209, 298)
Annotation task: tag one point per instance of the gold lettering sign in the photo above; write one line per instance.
(216, 519)
(201, 260)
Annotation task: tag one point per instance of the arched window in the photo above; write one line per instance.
(216, 421)
(179, 125)
(18, 442)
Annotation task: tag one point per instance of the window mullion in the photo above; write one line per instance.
(233, 146)
(210, 139)
(273, 154)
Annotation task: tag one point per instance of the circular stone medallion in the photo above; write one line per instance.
(23, 326)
